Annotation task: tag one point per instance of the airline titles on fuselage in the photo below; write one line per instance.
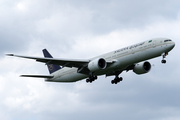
(126, 48)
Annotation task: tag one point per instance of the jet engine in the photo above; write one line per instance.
(142, 68)
(97, 64)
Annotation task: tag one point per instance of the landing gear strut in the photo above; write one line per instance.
(164, 56)
(116, 80)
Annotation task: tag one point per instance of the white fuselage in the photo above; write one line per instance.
(122, 58)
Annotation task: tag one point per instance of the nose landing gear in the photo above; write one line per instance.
(163, 61)
(164, 56)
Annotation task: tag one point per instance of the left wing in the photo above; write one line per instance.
(62, 62)
(38, 76)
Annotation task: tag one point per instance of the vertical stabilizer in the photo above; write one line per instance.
(51, 67)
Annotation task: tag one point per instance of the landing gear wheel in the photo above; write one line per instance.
(91, 79)
(87, 80)
(163, 61)
(112, 81)
(116, 80)
(120, 78)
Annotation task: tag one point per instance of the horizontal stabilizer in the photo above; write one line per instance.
(38, 76)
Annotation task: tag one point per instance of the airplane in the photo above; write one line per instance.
(133, 58)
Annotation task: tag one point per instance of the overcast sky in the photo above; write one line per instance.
(84, 29)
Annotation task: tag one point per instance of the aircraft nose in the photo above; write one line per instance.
(170, 46)
(173, 44)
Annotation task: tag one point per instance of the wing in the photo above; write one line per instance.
(62, 62)
(38, 76)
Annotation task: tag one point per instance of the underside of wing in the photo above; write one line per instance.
(130, 67)
(38, 76)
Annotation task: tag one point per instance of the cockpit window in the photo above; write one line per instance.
(167, 40)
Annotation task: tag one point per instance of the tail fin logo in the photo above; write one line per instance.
(50, 66)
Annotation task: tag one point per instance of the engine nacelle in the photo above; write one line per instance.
(142, 68)
(97, 64)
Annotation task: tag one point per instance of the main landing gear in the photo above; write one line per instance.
(164, 56)
(116, 80)
(91, 79)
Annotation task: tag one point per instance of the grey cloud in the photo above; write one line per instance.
(63, 21)
(118, 14)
